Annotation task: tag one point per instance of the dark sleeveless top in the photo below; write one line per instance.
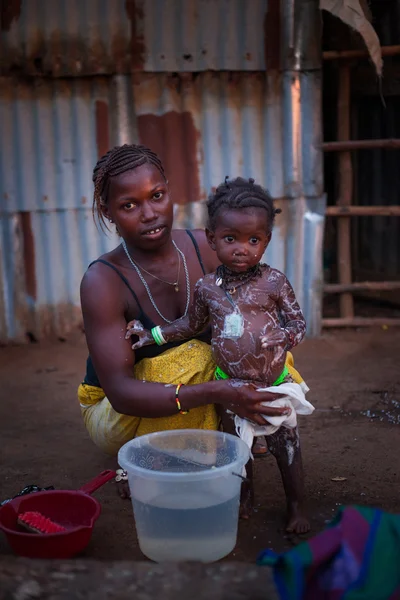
(147, 351)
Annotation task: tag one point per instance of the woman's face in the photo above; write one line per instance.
(140, 206)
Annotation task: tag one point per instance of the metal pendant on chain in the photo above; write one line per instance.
(176, 283)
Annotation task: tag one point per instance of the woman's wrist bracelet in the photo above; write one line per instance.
(178, 404)
(158, 336)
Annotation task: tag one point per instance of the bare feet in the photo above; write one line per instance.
(259, 448)
(246, 503)
(123, 489)
(247, 493)
(285, 446)
(297, 521)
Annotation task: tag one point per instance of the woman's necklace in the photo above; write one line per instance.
(142, 279)
(174, 283)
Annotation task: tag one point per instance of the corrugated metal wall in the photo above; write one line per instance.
(91, 37)
(47, 151)
(213, 123)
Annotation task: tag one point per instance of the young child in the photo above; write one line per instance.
(255, 319)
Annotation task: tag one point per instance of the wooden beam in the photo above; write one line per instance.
(361, 322)
(346, 54)
(345, 192)
(362, 211)
(388, 144)
(361, 286)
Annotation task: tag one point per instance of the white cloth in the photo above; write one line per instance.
(293, 396)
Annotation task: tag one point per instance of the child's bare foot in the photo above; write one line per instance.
(297, 521)
(259, 447)
(123, 489)
(247, 493)
(121, 481)
(285, 446)
(246, 505)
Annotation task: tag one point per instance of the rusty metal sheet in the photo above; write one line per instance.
(200, 35)
(58, 38)
(13, 306)
(41, 264)
(50, 138)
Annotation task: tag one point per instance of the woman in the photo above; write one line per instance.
(150, 276)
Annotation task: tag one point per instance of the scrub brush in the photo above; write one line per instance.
(35, 522)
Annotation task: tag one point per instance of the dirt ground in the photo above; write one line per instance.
(354, 433)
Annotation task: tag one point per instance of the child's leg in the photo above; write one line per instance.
(247, 490)
(260, 448)
(285, 446)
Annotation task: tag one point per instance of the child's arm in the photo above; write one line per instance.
(184, 328)
(294, 322)
(294, 328)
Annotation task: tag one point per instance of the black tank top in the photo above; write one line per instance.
(147, 351)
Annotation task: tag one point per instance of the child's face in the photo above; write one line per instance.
(240, 237)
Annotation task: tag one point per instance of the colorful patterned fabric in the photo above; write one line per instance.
(356, 558)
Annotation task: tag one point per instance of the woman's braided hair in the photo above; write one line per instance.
(240, 193)
(117, 161)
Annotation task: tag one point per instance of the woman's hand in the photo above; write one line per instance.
(244, 400)
(136, 328)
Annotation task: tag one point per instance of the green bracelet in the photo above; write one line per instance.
(158, 336)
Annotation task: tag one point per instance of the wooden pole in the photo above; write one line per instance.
(388, 144)
(362, 286)
(363, 211)
(361, 322)
(346, 54)
(345, 191)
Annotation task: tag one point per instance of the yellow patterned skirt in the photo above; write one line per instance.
(190, 363)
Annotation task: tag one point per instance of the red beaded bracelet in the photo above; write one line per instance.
(181, 412)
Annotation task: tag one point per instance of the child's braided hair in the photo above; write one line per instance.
(240, 193)
(117, 161)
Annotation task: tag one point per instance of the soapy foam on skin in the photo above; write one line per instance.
(291, 440)
(263, 302)
(290, 452)
(259, 302)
